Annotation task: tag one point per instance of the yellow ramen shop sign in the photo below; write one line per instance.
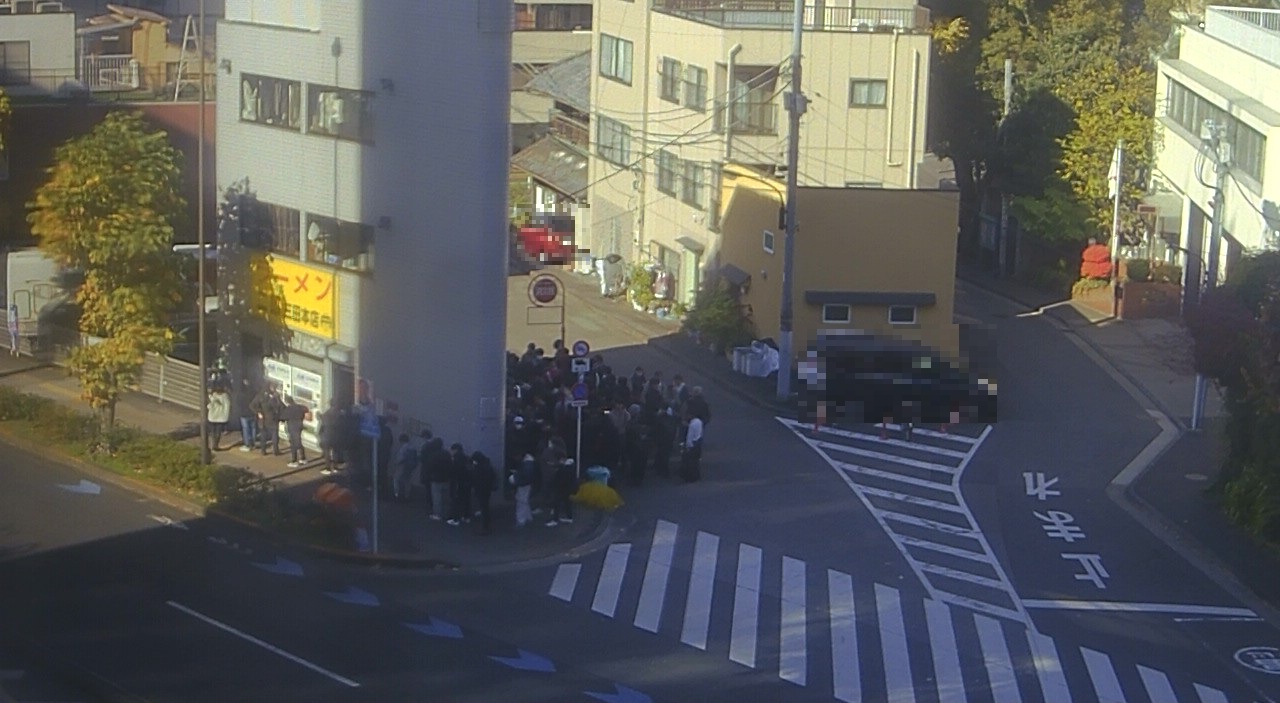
(307, 294)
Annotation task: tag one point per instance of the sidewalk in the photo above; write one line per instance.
(406, 536)
(1170, 494)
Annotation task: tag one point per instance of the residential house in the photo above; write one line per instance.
(682, 87)
(545, 33)
(380, 187)
(1226, 70)
(556, 164)
(132, 49)
(881, 260)
(37, 48)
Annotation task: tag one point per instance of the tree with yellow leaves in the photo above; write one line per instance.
(109, 210)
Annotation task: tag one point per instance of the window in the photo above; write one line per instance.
(341, 113)
(669, 85)
(769, 238)
(271, 227)
(692, 181)
(902, 314)
(695, 88)
(836, 314)
(15, 63)
(867, 92)
(613, 141)
(668, 164)
(337, 243)
(552, 17)
(271, 101)
(1248, 146)
(615, 58)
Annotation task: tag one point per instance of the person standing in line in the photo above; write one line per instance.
(248, 418)
(218, 412)
(459, 485)
(13, 329)
(564, 484)
(406, 464)
(294, 415)
(386, 444)
(522, 479)
(482, 484)
(327, 434)
(691, 458)
(436, 467)
(663, 435)
(268, 406)
(636, 445)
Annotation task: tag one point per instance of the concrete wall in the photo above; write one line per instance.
(53, 49)
(427, 325)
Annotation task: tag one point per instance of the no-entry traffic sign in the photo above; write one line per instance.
(581, 348)
(544, 289)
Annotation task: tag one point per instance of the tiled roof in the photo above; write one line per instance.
(556, 164)
(567, 80)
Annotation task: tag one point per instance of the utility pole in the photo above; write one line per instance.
(206, 456)
(1211, 140)
(1002, 251)
(1117, 164)
(796, 106)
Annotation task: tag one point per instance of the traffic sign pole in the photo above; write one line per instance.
(577, 462)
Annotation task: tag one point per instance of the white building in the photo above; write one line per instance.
(681, 87)
(546, 32)
(375, 135)
(1227, 70)
(37, 48)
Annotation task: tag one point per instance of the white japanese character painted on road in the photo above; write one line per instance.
(1093, 569)
(1039, 485)
(1058, 525)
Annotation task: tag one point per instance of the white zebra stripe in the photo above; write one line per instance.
(610, 585)
(657, 571)
(746, 604)
(893, 642)
(846, 670)
(697, 609)
(793, 662)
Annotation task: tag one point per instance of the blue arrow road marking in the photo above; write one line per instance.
(527, 661)
(354, 596)
(283, 566)
(85, 486)
(624, 695)
(437, 628)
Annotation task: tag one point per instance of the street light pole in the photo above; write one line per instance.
(796, 105)
(1212, 133)
(205, 455)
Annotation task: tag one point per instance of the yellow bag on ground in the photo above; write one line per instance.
(600, 496)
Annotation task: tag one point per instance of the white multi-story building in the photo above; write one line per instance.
(546, 32)
(681, 87)
(37, 48)
(375, 136)
(1226, 70)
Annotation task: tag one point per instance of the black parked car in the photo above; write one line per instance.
(865, 378)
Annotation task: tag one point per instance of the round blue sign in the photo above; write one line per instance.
(580, 348)
(579, 391)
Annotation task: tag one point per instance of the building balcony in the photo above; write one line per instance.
(1256, 32)
(569, 129)
(779, 15)
(749, 117)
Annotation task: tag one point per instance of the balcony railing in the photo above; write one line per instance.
(779, 14)
(110, 72)
(749, 117)
(570, 130)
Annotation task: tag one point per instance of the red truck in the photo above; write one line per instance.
(549, 238)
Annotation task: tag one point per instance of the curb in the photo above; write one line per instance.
(725, 385)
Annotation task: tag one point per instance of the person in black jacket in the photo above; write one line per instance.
(268, 407)
(436, 469)
(663, 437)
(460, 484)
(482, 484)
(386, 441)
(564, 483)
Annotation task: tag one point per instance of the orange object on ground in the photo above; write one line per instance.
(335, 497)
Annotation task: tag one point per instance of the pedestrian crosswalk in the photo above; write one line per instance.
(912, 489)
(844, 637)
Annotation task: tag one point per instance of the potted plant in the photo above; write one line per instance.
(640, 288)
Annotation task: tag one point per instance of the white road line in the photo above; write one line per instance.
(615, 566)
(1103, 675)
(965, 576)
(793, 664)
(875, 439)
(1141, 607)
(891, 458)
(702, 579)
(995, 656)
(927, 524)
(946, 653)
(269, 647)
(1159, 689)
(657, 571)
(1053, 682)
(566, 581)
(1210, 695)
(962, 439)
(746, 603)
(943, 548)
(899, 478)
(913, 500)
(846, 671)
(893, 642)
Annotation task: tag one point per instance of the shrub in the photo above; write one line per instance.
(640, 286)
(1162, 272)
(1084, 285)
(1249, 500)
(1138, 270)
(718, 318)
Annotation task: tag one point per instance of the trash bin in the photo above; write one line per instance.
(740, 356)
(753, 364)
(598, 474)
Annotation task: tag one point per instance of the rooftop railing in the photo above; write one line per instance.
(779, 14)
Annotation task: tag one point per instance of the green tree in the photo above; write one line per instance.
(108, 210)
(250, 302)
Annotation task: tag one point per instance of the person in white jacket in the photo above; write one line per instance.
(218, 412)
